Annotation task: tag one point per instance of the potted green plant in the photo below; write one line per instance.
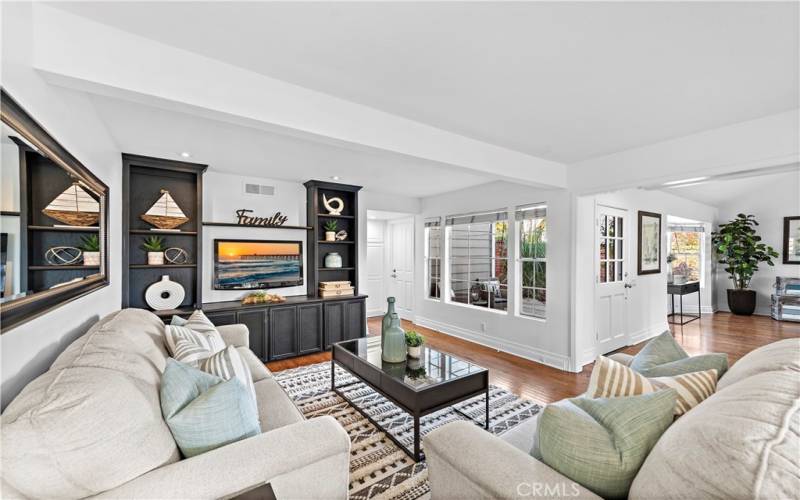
(154, 245)
(739, 248)
(414, 342)
(330, 230)
(90, 246)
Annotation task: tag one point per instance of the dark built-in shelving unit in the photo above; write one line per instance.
(318, 247)
(143, 179)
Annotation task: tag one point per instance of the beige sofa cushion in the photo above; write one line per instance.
(275, 409)
(741, 442)
(257, 368)
(777, 356)
(93, 421)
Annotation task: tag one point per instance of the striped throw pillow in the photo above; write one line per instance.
(611, 379)
(228, 364)
(197, 339)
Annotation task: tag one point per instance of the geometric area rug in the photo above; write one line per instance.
(379, 469)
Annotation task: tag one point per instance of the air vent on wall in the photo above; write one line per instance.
(259, 189)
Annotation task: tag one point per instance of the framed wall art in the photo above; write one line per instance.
(649, 243)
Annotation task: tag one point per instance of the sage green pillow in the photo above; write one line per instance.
(659, 350)
(601, 443)
(203, 411)
(700, 363)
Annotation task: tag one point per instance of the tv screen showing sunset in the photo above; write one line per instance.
(245, 265)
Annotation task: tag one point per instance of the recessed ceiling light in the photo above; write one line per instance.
(186, 154)
(334, 177)
(685, 181)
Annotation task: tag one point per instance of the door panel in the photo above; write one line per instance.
(355, 319)
(309, 319)
(256, 323)
(401, 266)
(376, 275)
(334, 323)
(611, 280)
(222, 318)
(283, 332)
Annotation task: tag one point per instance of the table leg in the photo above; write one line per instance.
(416, 438)
(698, 304)
(681, 301)
(486, 425)
(333, 375)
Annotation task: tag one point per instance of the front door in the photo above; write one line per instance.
(611, 286)
(401, 265)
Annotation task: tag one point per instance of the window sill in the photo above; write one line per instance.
(531, 318)
(477, 308)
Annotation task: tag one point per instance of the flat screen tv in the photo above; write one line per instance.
(257, 264)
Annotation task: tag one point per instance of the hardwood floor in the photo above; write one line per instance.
(720, 332)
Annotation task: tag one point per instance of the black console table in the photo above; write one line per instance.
(680, 291)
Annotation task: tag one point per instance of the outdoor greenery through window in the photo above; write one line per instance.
(685, 248)
(532, 223)
(433, 257)
(479, 259)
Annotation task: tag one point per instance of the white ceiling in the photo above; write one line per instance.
(565, 81)
(226, 147)
(718, 193)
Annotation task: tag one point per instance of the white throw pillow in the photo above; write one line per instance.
(194, 341)
(228, 364)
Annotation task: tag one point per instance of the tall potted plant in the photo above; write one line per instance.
(739, 248)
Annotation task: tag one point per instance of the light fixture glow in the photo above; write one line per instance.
(334, 177)
(186, 154)
(685, 181)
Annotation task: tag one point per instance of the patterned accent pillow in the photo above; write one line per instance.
(228, 364)
(611, 379)
(194, 341)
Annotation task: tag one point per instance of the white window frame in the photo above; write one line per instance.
(433, 223)
(522, 213)
(694, 228)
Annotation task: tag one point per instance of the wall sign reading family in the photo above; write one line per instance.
(246, 220)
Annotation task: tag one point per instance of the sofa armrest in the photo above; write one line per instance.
(317, 449)
(621, 357)
(465, 462)
(235, 335)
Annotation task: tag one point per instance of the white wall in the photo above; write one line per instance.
(769, 209)
(546, 341)
(646, 304)
(69, 116)
(223, 194)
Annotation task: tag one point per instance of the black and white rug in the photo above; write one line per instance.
(379, 469)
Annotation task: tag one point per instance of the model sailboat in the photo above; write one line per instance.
(165, 213)
(74, 207)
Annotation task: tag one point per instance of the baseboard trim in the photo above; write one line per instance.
(648, 333)
(690, 309)
(530, 353)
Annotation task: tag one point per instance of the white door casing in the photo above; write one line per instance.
(612, 259)
(376, 268)
(400, 265)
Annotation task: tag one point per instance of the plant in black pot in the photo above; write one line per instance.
(739, 248)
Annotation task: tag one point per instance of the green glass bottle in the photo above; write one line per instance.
(393, 349)
(387, 319)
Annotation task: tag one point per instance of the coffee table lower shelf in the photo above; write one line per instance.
(416, 453)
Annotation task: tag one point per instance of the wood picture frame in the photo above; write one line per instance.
(791, 245)
(648, 245)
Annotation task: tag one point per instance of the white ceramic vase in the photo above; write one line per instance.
(415, 352)
(155, 258)
(91, 258)
(333, 260)
(330, 235)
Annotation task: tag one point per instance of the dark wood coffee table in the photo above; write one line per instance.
(419, 386)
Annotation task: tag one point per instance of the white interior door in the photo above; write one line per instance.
(376, 268)
(611, 279)
(400, 269)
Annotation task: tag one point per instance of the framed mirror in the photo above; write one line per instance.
(53, 221)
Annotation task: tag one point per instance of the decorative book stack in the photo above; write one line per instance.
(786, 299)
(335, 289)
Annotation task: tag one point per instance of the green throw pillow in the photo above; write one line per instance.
(659, 350)
(700, 363)
(178, 321)
(601, 443)
(203, 411)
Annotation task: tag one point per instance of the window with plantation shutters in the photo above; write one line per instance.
(532, 242)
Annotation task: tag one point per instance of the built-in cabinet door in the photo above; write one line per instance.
(283, 332)
(309, 320)
(334, 323)
(222, 318)
(256, 323)
(355, 315)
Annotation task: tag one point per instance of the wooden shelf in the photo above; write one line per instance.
(336, 268)
(65, 229)
(172, 312)
(60, 268)
(323, 242)
(162, 232)
(233, 224)
(161, 266)
(331, 216)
